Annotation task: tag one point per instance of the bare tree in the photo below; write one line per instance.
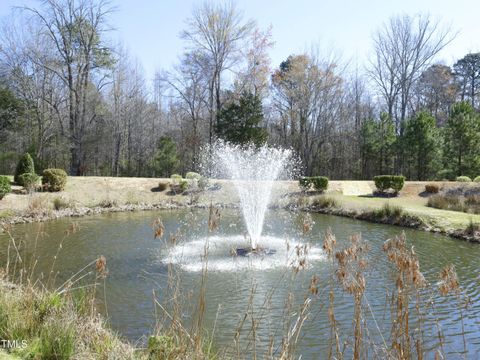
(254, 77)
(404, 47)
(189, 86)
(216, 31)
(435, 91)
(467, 72)
(74, 30)
(307, 93)
(22, 49)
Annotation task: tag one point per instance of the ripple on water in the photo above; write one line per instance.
(190, 255)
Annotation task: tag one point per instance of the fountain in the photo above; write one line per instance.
(253, 171)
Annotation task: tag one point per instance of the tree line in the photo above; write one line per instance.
(74, 101)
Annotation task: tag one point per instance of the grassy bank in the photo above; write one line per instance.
(92, 195)
(54, 325)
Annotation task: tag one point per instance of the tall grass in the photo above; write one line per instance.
(463, 199)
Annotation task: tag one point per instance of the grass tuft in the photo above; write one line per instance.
(324, 202)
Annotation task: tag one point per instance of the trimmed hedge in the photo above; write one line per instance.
(29, 180)
(5, 187)
(304, 183)
(54, 179)
(25, 166)
(385, 182)
(319, 183)
(463, 179)
(477, 179)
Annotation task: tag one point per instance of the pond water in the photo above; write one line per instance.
(138, 265)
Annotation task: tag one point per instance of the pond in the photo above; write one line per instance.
(138, 264)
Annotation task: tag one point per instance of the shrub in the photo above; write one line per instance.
(54, 179)
(432, 188)
(304, 183)
(176, 179)
(29, 181)
(388, 211)
(162, 185)
(180, 187)
(320, 183)
(60, 203)
(463, 179)
(382, 182)
(203, 183)
(193, 176)
(184, 184)
(385, 182)
(5, 187)
(25, 165)
(477, 179)
(397, 183)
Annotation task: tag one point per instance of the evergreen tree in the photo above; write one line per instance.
(165, 162)
(377, 146)
(461, 152)
(11, 108)
(420, 142)
(386, 144)
(240, 123)
(25, 166)
(368, 147)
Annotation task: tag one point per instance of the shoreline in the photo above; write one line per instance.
(405, 220)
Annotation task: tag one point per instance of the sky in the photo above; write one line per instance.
(150, 28)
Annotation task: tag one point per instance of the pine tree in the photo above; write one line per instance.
(420, 142)
(461, 151)
(240, 123)
(25, 166)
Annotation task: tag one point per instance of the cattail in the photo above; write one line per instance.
(101, 266)
(307, 223)
(313, 289)
(213, 218)
(158, 229)
(329, 243)
(448, 280)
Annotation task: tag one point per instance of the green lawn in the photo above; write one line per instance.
(442, 219)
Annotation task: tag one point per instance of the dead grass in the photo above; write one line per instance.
(463, 198)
